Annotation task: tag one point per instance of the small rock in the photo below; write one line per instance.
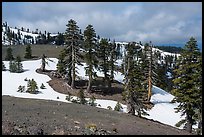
(77, 127)
(76, 122)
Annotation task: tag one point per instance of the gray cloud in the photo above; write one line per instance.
(159, 22)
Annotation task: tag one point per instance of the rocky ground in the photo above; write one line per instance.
(34, 116)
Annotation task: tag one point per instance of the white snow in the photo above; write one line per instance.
(162, 111)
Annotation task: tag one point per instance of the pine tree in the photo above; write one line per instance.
(12, 66)
(9, 55)
(134, 88)
(16, 65)
(44, 62)
(9, 35)
(113, 57)
(59, 39)
(73, 41)
(19, 66)
(61, 65)
(103, 54)
(152, 76)
(90, 45)
(32, 86)
(28, 52)
(187, 84)
(118, 107)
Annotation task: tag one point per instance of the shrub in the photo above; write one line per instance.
(57, 97)
(81, 97)
(109, 107)
(25, 79)
(42, 86)
(21, 89)
(92, 101)
(74, 101)
(118, 107)
(68, 97)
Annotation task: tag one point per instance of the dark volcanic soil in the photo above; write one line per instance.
(33, 116)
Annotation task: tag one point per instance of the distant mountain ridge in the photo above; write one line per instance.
(22, 36)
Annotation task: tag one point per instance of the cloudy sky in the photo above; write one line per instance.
(162, 23)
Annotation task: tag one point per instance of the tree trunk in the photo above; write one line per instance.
(150, 77)
(43, 63)
(189, 123)
(73, 68)
(149, 88)
(130, 104)
(89, 83)
(43, 67)
(70, 77)
(109, 82)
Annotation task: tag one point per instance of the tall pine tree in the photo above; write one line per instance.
(134, 88)
(187, 84)
(103, 54)
(73, 41)
(113, 57)
(90, 46)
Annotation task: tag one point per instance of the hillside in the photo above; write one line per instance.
(105, 98)
(51, 117)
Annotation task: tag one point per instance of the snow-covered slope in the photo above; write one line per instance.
(162, 111)
(22, 35)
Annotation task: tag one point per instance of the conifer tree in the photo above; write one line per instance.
(28, 52)
(134, 88)
(44, 62)
(59, 39)
(12, 66)
(103, 54)
(113, 58)
(19, 66)
(32, 86)
(9, 54)
(73, 41)
(61, 65)
(152, 68)
(16, 65)
(187, 85)
(90, 47)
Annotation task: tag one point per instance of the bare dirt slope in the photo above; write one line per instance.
(33, 116)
